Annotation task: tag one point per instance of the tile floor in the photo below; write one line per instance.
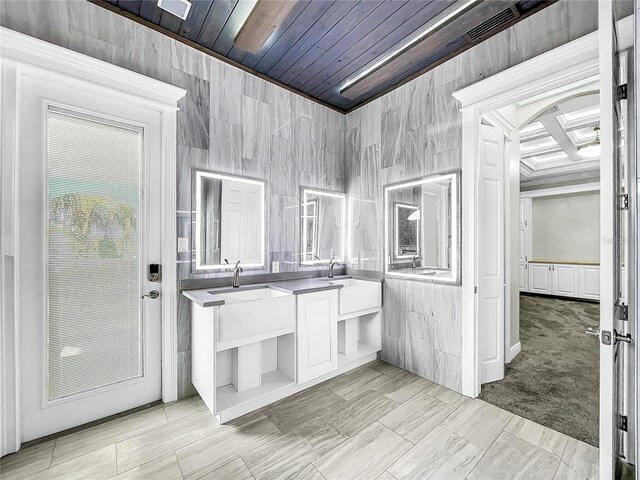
(376, 422)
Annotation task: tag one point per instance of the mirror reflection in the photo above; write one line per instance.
(422, 228)
(229, 221)
(322, 226)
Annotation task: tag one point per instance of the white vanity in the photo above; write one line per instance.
(256, 344)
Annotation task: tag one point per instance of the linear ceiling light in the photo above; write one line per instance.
(179, 8)
(264, 19)
(440, 20)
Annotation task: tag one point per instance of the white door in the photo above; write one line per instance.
(317, 334)
(241, 223)
(565, 280)
(539, 278)
(616, 356)
(491, 254)
(525, 242)
(89, 224)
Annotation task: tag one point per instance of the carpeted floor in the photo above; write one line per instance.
(554, 380)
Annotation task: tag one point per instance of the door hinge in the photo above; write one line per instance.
(623, 423)
(622, 311)
(475, 289)
(624, 202)
(622, 92)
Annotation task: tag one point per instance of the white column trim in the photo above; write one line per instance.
(19, 55)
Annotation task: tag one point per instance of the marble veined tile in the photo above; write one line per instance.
(225, 146)
(147, 52)
(189, 60)
(193, 116)
(513, 458)
(227, 87)
(385, 368)
(364, 456)
(321, 436)
(478, 422)
(289, 413)
(26, 462)
(402, 387)
(257, 88)
(280, 458)
(386, 476)
(96, 48)
(359, 412)
(445, 395)
(308, 473)
(355, 382)
(154, 443)
(417, 417)
(238, 437)
(97, 22)
(256, 130)
(166, 467)
(236, 470)
(94, 438)
(97, 465)
(565, 472)
(184, 408)
(543, 437)
(439, 455)
(48, 21)
(582, 458)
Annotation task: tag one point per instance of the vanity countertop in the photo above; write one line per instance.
(566, 262)
(210, 297)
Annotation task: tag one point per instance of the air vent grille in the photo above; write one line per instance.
(491, 24)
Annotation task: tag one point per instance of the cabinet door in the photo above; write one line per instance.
(589, 282)
(540, 278)
(524, 277)
(317, 334)
(565, 280)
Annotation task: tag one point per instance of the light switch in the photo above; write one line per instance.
(275, 267)
(355, 261)
(183, 244)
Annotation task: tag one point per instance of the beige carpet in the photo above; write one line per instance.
(555, 379)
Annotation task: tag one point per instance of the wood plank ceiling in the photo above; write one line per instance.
(323, 43)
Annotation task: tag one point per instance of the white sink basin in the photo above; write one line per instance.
(251, 295)
(254, 315)
(357, 295)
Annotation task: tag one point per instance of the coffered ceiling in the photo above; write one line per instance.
(555, 128)
(338, 52)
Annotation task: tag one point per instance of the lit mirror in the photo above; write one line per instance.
(322, 226)
(229, 223)
(422, 229)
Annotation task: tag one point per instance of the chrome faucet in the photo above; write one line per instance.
(332, 264)
(415, 259)
(236, 275)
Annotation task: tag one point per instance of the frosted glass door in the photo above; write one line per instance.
(93, 254)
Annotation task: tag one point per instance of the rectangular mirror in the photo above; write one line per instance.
(229, 223)
(422, 222)
(322, 226)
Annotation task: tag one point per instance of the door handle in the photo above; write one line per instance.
(592, 332)
(153, 294)
(618, 337)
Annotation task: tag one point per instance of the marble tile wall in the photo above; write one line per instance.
(234, 122)
(415, 131)
(229, 121)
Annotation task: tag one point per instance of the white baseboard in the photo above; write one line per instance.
(513, 352)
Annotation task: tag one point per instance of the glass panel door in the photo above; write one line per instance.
(94, 319)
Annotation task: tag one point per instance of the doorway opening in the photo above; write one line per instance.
(551, 261)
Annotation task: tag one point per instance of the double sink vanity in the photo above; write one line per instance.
(256, 344)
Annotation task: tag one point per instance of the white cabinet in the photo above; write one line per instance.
(589, 282)
(317, 334)
(540, 278)
(564, 280)
(524, 277)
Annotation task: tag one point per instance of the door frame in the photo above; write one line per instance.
(20, 56)
(568, 63)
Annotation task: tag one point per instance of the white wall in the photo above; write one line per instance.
(567, 227)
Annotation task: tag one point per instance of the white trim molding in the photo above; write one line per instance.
(564, 190)
(21, 56)
(514, 351)
(574, 61)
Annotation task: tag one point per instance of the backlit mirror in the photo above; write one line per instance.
(229, 223)
(322, 226)
(422, 229)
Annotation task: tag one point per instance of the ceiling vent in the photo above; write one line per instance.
(179, 8)
(493, 23)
